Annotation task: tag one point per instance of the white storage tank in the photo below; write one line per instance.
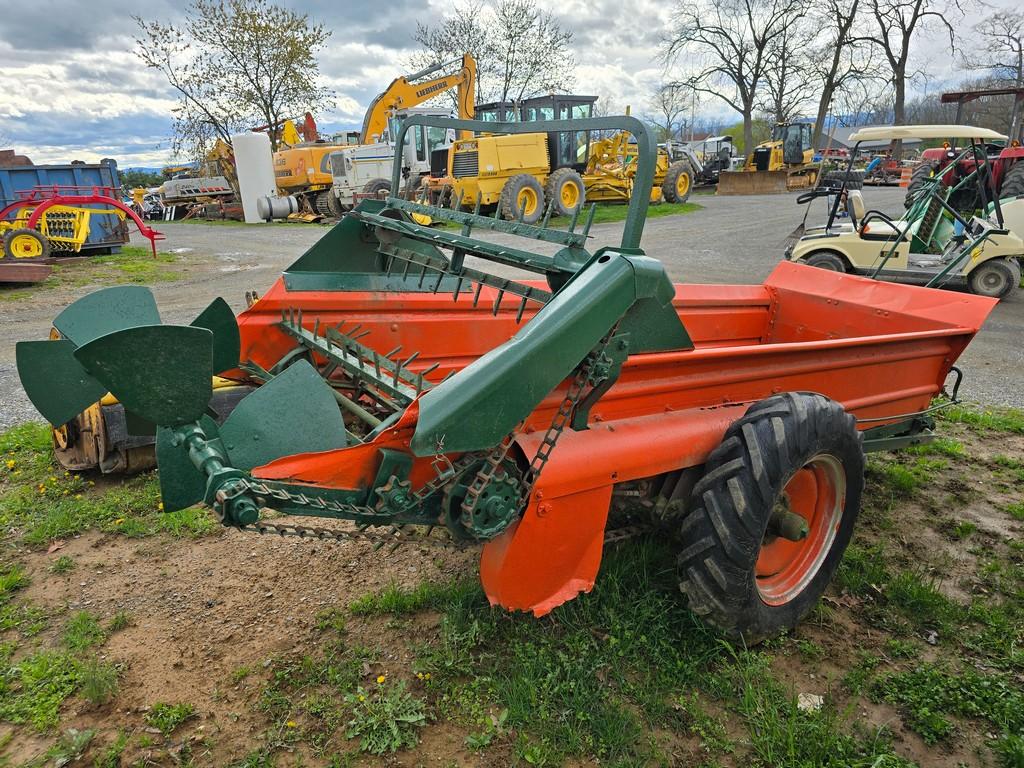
(255, 167)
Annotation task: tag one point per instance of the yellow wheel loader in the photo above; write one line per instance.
(785, 162)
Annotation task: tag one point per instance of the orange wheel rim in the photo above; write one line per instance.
(816, 492)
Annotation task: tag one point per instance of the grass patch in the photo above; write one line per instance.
(83, 631)
(385, 719)
(43, 502)
(940, 446)
(133, 265)
(62, 564)
(167, 718)
(397, 601)
(33, 689)
(1016, 510)
(98, 681)
(930, 693)
(995, 419)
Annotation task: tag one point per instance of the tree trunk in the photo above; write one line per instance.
(748, 130)
(899, 108)
(824, 104)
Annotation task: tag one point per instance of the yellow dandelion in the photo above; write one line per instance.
(53, 479)
(361, 697)
(426, 676)
(42, 488)
(91, 483)
(10, 463)
(16, 472)
(419, 675)
(119, 521)
(78, 495)
(291, 723)
(381, 679)
(160, 506)
(66, 492)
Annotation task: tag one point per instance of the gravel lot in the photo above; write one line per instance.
(733, 239)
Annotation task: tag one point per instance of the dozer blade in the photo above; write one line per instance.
(162, 373)
(106, 311)
(752, 182)
(56, 383)
(295, 412)
(220, 320)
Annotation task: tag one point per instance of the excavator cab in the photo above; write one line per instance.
(796, 141)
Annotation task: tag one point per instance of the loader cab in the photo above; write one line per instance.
(795, 139)
(566, 149)
(497, 112)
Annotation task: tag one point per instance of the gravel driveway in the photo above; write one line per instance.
(732, 239)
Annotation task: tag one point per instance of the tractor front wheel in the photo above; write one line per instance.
(522, 199)
(24, 243)
(995, 278)
(772, 515)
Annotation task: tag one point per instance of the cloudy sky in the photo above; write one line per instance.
(71, 88)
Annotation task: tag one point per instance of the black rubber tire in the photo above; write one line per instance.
(508, 204)
(322, 203)
(853, 179)
(334, 205)
(553, 191)
(918, 179)
(731, 505)
(829, 260)
(373, 186)
(995, 278)
(1013, 181)
(669, 189)
(37, 236)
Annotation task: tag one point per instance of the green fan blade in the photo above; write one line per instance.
(159, 372)
(106, 311)
(219, 319)
(295, 412)
(181, 484)
(54, 380)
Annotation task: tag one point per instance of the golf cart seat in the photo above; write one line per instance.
(855, 205)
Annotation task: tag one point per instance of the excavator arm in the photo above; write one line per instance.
(412, 90)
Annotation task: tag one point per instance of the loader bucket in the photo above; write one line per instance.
(752, 182)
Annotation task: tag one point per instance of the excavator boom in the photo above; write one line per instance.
(412, 90)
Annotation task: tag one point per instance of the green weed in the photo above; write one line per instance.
(397, 601)
(110, 756)
(62, 564)
(1015, 510)
(98, 681)
(940, 446)
(166, 718)
(28, 619)
(12, 578)
(930, 693)
(961, 530)
(385, 719)
(33, 689)
(83, 631)
(70, 746)
(121, 620)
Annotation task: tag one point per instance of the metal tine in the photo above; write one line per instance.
(423, 275)
(476, 296)
(440, 279)
(419, 383)
(575, 216)
(458, 288)
(300, 317)
(394, 351)
(284, 315)
(316, 327)
(522, 308)
(430, 369)
(458, 202)
(410, 359)
(357, 337)
(405, 272)
(497, 212)
(547, 214)
(590, 219)
(389, 267)
(450, 374)
(376, 363)
(497, 302)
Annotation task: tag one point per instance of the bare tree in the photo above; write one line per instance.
(235, 63)
(668, 106)
(1002, 54)
(841, 57)
(897, 23)
(521, 50)
(728, 42)
(788, 85)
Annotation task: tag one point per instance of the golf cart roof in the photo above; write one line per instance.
(891, 132)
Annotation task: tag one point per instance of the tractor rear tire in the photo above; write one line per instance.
(375, 186)
(918, 179)
(853, 179)
(678, 182)
(797, 453)
(1013, 181)
(829, 260)
(25, 243)
(522, 194)
(995, 278)
(565, 191)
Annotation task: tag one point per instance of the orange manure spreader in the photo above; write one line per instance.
(437, 386)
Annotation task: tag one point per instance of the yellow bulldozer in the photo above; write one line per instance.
(522, 174)
(783, 163)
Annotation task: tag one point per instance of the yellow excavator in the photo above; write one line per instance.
(783, 163)
(303, 168)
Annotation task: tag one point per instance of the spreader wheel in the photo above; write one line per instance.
(772, 515)
(24, 243)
